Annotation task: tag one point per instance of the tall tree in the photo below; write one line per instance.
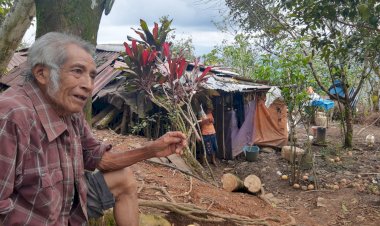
(341, 34)
(78, 17)
(13, 27)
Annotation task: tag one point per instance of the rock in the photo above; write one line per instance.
(270, 197)
(360, 218)
(267, 150)
(287, 152)
(153, 220)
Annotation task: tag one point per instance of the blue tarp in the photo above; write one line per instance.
(325, 104)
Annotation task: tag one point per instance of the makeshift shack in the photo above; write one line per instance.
(241, 117)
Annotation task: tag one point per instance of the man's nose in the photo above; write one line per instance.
(87, 83)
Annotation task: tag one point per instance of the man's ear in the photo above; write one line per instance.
(41, 74)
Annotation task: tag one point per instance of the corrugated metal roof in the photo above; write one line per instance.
(17, 59)
(229, 84)
(104, 61)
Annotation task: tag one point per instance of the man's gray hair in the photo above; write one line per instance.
(50, 50)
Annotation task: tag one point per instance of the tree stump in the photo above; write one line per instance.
(232, 183)
(252, 183)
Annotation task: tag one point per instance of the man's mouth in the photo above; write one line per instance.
(80, 97)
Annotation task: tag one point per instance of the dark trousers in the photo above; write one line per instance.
(210, 144)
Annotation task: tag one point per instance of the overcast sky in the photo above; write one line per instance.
(191, 18)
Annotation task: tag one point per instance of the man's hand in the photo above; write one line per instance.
(169, 143)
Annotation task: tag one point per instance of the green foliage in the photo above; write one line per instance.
(238, 55)
(145, 122)
(289, 70)
(183, 46)
(155, 38)
(5, 6)
(340, 29)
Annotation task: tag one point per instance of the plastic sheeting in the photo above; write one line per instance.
(325, 104)
(262, 126)
(270, 124)
(243, 136)
(273, 94)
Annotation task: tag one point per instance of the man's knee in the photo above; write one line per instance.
(128, 181)
(121, 182)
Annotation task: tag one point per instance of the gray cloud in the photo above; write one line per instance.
(191, 18)
(183, 12)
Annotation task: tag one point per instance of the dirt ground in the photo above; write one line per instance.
(348, 187)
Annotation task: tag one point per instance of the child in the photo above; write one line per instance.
(209, 134)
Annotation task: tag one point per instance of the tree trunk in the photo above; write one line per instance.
(77, 17)
(13, 29)
(349, 126)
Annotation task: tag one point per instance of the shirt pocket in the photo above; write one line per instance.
(43, 190)
(49, 197)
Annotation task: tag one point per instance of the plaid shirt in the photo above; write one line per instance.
(42, 160)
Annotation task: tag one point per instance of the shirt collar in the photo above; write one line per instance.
(53, 125)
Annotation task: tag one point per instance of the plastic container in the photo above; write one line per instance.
(321, 135)
(251, 152)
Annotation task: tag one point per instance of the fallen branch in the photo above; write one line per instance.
(182, 171)
(292, 222)
(161, 189)
(199, 214)
(188, 192)
(362, 129)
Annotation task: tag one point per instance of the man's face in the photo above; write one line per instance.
(76, 82)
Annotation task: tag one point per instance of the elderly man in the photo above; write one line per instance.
(46, 145)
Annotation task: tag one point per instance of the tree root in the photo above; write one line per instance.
(199, 214)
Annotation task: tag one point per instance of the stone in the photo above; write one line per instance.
(267, 150)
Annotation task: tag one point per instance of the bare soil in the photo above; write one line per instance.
(348, 190)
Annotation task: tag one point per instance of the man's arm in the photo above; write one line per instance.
(11, 140)
(170, 143)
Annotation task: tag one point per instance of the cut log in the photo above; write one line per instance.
(101, 114)
(252, 183)
(103, 123)
(232, 183)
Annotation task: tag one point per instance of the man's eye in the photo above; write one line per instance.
(77, 71)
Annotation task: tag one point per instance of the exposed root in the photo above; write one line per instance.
(199, 214)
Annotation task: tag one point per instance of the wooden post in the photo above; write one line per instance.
(223, 140)
(123, 129)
